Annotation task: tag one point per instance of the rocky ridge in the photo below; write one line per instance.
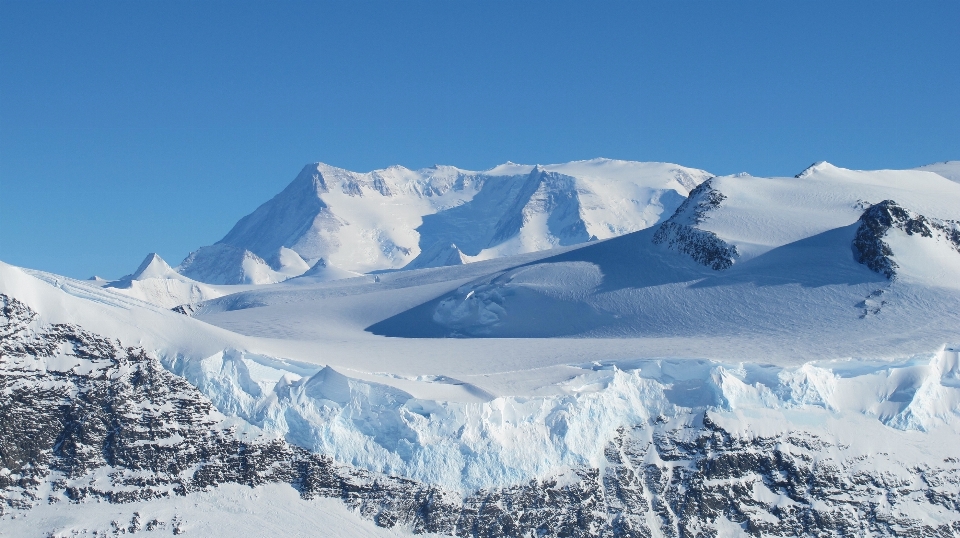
(680, 233)
(870, 249)
(84, 418)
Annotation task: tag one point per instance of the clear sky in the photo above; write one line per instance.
(132, 127)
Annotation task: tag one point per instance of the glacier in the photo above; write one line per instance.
(499, 441)
(766, 357)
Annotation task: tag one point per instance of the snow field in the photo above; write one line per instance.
(229, 511)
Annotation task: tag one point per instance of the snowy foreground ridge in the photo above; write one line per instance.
(767, 357)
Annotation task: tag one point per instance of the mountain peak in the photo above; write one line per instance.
(439, 255)
(152, 266)
(384, 219)
(819, 166)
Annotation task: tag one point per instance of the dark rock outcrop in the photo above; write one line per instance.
(680, 231)
(870, 249)
(75, 405)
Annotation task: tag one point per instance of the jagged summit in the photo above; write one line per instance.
(385, 219)
(680, 231)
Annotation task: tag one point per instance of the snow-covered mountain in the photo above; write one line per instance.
(396, 218)
(793, 256)
(157, 283)
(773, 357)
(100, 437)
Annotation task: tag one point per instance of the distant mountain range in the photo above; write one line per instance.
(697, 356)
(398, 218)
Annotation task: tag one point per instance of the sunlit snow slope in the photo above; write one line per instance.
(772, 356)
(394, 218)
(157, 283)
(831, 256)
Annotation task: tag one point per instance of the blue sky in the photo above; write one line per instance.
(132, 127)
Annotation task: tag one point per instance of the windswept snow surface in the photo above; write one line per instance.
(229, 511)
(756, 259)
(509, 369)
(385, 219)
(157, 283)
(475, 431)
(947, 169)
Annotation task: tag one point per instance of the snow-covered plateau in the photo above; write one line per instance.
(599, 348)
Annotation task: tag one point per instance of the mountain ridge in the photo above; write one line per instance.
(384, 219)
(625, 386)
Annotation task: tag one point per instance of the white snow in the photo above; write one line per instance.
(228, 511)
(760, 214)
(157, 283)
(947, 169)
(469, 431)
(568, 344)
(362, 222)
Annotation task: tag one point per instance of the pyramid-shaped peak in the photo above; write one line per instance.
(819, 166)
(317, 268)
(439, 255)
(153, 266)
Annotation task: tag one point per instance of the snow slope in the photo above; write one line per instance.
(229, 511)
(385, 219)
(743, 257)
(947, 169)
(157, 283)
(451, 432)
(750, 354)
(59, 299)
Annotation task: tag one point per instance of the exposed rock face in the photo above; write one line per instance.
(869, 247)
(97, 420)
(680, 233)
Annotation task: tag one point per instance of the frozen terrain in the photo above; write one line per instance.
(157, 283)
(771, 356)
(392, 218)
